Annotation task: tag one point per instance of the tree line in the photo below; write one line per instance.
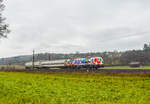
(110, 58)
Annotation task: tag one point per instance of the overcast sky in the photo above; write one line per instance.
(75, 25)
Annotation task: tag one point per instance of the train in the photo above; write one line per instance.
(72, 63)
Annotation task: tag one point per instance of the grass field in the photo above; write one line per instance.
(126, 67)
(73, 88)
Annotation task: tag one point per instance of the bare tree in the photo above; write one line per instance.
(3, 26)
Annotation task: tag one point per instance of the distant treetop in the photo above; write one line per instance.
(146, 47)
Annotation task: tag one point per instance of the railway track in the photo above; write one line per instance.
(83, 70)
(99, 70)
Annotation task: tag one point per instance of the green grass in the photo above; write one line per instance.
(126, 67)
(73, 88)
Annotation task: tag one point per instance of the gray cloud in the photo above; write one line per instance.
(75, 25)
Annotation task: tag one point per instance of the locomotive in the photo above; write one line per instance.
(72, 63)
(93, 62)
